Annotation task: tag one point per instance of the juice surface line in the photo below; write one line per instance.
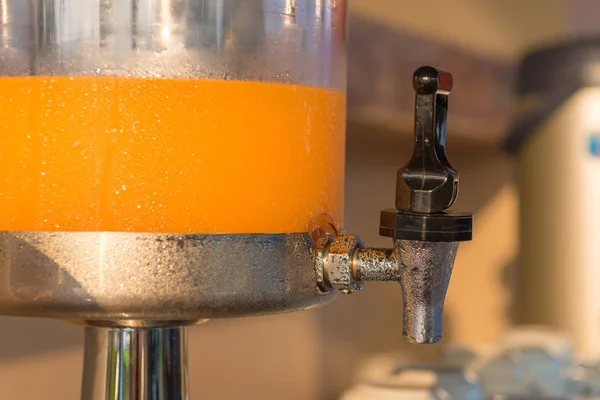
(168, 155)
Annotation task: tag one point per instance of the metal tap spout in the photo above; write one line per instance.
(425, 272)
(423, 269)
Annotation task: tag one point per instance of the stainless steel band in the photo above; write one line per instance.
(108, 276)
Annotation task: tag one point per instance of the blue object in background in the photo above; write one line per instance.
(594, 145)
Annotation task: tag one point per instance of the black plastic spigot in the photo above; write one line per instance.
(428, 183)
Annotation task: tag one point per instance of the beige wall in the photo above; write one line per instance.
(501, 29)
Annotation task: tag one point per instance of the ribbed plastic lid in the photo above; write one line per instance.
(552, 74)
(549, 68)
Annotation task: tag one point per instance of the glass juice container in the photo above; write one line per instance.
(164, 162)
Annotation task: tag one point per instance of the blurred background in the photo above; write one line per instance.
(314, 354)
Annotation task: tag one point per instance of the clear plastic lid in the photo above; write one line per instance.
(529, 360)
(556, 343)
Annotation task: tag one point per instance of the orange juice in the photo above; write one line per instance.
(168, 155)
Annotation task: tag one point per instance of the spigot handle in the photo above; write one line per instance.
(425, 235)
(428, 183)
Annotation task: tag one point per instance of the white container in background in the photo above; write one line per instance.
(557, 140)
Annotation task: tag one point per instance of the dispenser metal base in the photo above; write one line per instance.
(135, 364)
(108, 276)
